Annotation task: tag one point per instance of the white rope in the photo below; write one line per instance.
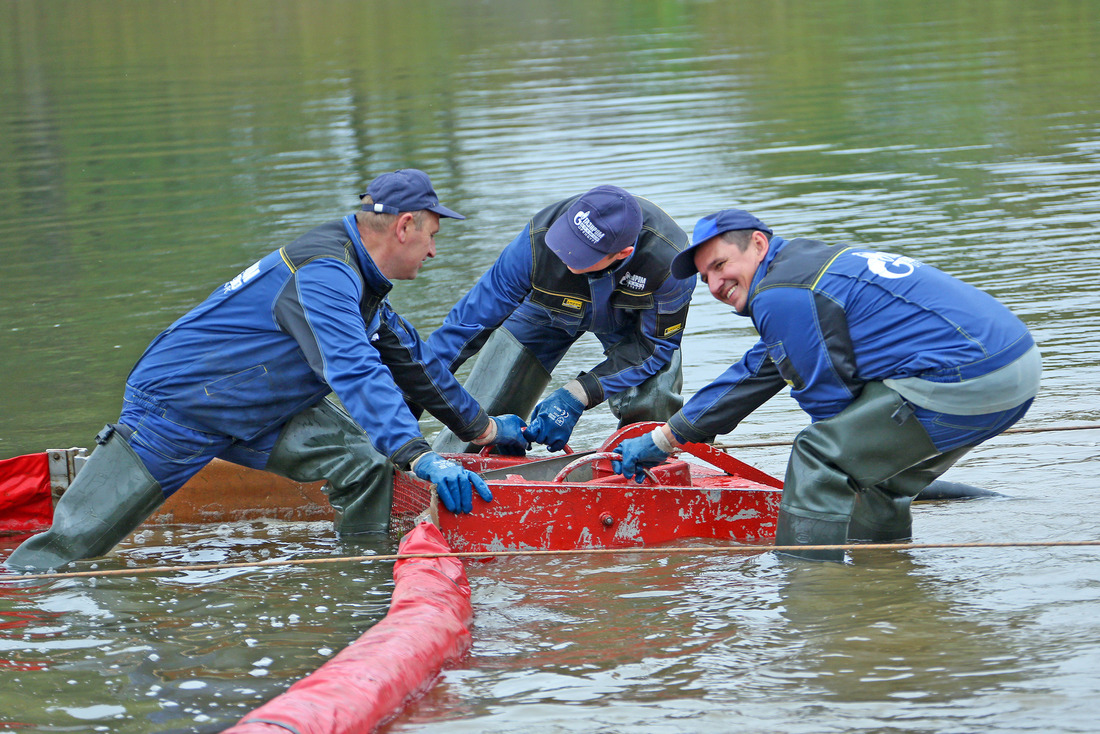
(704, 549)
(1048, 429)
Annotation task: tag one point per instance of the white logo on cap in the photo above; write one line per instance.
(589, 230)
(887, 265)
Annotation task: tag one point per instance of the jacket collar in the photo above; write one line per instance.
(775, 245)
(371, 274)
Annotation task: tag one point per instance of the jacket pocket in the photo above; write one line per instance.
(671, 324)
(778, 354)
(230, 383)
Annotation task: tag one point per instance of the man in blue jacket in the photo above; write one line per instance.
(901, 367)
(597, 262)
(244, 377)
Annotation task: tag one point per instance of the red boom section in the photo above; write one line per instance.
(25, 503)
(398, 658)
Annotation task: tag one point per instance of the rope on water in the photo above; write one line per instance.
(1048, 429)
(583, 551)
(701, 549)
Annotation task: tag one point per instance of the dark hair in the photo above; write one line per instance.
(739, 237)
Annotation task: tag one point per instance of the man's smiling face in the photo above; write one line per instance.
(728, 270)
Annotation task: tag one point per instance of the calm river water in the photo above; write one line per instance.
(150, 151)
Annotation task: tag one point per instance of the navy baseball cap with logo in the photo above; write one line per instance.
(712, 225)
(405, 190)
(600, 222)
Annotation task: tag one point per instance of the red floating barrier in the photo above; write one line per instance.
(25, 502)
(398, 658)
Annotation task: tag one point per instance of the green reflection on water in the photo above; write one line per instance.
(148, 152)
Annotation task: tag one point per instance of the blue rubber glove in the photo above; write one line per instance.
(510, 440)
(554, 418)
(638, 454)
(452, 482)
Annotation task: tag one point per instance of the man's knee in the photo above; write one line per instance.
(656, 399)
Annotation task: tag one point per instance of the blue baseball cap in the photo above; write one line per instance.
(712, 225)
(600, 222)
(405, 190)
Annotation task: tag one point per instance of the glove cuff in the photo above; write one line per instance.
(576, 389)
(661, 442)
(490, 434)
(591, 389)
(414, 462)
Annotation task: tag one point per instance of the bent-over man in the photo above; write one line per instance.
(901, 367)
(245, 377)
(597, 262)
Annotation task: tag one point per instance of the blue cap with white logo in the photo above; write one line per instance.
(712, 225)
(405, 190)
(603, 221)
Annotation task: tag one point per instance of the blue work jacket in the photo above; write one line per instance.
(833, 318)
(306, 320)
(635, 308)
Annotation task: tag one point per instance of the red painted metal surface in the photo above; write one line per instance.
(584, 504)
(548, 516)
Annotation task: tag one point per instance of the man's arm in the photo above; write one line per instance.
(424, 378)
(721, 405)
(322, 315)
(485, 307)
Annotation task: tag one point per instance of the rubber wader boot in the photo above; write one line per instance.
(656, 399)
(507, 378)
(110, 496)
(874, 443)
(880, 517)
(882, 513)
(324, 442)
(796, 530)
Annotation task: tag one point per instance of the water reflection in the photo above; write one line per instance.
(897, 636)
(185, 648)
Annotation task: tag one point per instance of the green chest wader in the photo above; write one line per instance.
(506, 378)
(656, 399)
(854, 476)
(323, 442)
(110, 496)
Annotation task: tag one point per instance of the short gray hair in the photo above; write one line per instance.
(380, 221)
